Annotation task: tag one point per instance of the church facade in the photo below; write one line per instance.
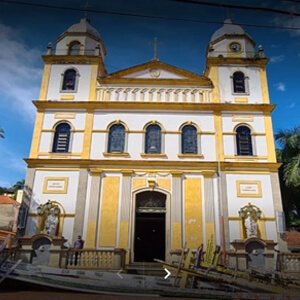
(153, 158)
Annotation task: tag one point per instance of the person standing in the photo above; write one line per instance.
(78, 245)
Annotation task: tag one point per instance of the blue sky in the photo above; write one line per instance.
(26, 30)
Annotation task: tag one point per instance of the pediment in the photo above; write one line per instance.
(155, 71)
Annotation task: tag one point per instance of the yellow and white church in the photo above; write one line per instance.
(153, 158)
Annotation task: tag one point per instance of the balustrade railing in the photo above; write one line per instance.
(135, 94)
(289, 262)
(94, 259)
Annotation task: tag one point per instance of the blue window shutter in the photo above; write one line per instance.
(243, 141)
(61, 138)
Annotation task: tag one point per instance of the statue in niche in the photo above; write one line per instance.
(51, 223)
(48, 218)
(250, 214)
(250, 226)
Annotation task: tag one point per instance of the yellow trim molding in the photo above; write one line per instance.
(116, 154)
(241, 99)
(93, 85)
(64, 115)
(242, 118)
(193, 212)
(67, 97)
(270, 137)
(87, 134)
(109, 212)
(244, 194)
(216, 107)
(264, 85)
(63, 190)
(153, 155)
(37, 134)
(176, 165)
(45, 81)
(190, 155)
(218, 136)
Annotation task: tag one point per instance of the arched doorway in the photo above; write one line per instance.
(150, 226)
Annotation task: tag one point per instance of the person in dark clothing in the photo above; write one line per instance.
(78, 244)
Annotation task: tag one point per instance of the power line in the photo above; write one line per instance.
(294, 1)
(247, 7)
(48, 6)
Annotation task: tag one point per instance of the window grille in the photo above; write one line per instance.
(243, 141)
(61, 138)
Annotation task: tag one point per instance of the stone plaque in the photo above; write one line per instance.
(251, 189)
(55, 185)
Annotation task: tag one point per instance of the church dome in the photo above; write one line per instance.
(84, 26)
(229, 29)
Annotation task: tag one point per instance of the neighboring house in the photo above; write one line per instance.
(154, 154)
(9, 210)
(293, 240)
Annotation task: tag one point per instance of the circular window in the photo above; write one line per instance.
(235, 47)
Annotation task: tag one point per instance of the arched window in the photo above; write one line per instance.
(116, 138)
(189, 140)
(69, 80)
(153, 139)
(61, 138)
(243, 141)
(239, 82)
(74, 48)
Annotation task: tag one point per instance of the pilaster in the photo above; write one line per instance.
(80, 204)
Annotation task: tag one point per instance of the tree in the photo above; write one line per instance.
(289, 173)
(1, 133)
(19, 185)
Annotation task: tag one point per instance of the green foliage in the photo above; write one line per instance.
(289, 173)
(1, 133)
(19, 185)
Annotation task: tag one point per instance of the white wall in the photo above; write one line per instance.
(136, 121)
(265, 203)
(254, 94)
(81, 93)
(68, 200)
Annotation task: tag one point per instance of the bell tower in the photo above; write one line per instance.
(74, 64)
(236, 67)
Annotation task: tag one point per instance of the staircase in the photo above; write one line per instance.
(140, 268)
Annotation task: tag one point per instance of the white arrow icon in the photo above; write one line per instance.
(120, 274)
(168, 273)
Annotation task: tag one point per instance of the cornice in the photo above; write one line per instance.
(92, 105)
(144, 81)
(159, 65)
(219, 61)
(72, 59)
(155, 164)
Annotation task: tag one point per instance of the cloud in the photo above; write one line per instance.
(20, 74)
(292, 22)
(292, 105)
(280, 86)
(5, 183)
(277, 59)
(12, 165)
